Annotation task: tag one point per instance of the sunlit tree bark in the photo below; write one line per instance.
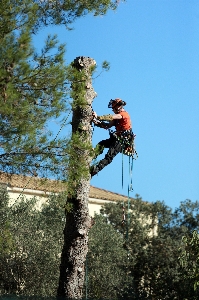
(78, 221)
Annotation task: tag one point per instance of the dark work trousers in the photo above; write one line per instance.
(114, 146)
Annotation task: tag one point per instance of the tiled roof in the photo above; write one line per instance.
(49, 185)
(106, 195)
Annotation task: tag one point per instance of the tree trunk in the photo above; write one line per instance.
(78, 221)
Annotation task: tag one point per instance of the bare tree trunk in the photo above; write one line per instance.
(78, 221)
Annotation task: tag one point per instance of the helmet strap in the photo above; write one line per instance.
(119, 108)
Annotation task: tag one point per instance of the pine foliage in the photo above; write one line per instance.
(33, 90)
(66, 12)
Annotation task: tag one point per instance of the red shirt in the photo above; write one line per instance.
(124, 123)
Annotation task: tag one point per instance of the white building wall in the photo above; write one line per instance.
(94, 205)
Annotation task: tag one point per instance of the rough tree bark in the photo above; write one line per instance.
(78, 221)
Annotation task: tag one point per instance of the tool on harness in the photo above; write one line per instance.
(126, 138)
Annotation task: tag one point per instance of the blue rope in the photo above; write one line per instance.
(128, 219)
(131, 173)
(122, 167)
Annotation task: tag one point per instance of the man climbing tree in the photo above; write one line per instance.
(119, 140)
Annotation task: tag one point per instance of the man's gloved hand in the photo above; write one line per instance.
(100, 124)
(96, 122)
(94, 115)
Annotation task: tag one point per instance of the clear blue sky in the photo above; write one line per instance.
(153, 50)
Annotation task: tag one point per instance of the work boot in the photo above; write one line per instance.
(93, 170)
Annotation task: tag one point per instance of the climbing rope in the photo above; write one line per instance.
(126, 220)
(128, 217)
(122, 168)
(131, 172)
(123, 214)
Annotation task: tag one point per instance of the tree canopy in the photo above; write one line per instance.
(146, 265)
(35, 84)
